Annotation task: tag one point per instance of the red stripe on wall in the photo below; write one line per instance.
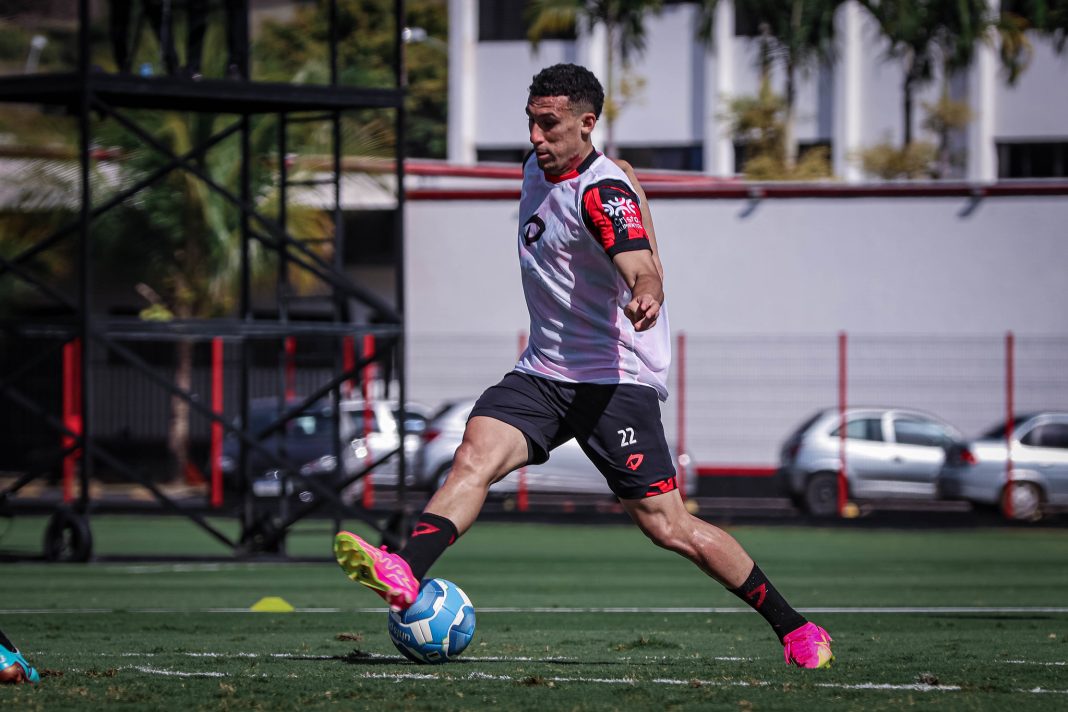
(729, 191)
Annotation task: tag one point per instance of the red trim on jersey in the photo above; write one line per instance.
(574, 172)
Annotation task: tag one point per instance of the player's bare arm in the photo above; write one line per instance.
(647, 215)
(646, 288)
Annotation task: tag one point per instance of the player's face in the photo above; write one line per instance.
(559, 135)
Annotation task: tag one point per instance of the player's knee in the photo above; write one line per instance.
(470, 463)
(667, 534)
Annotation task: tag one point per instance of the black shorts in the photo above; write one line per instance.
(617, 426)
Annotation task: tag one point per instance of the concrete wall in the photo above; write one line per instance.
(925, 287)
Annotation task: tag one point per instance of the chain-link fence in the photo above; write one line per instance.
(739, 398)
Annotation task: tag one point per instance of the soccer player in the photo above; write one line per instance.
(13, 667)
(594, 368)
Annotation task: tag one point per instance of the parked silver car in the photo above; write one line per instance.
(568, 470)
(977, 471)
(371, 432)
(890, 453)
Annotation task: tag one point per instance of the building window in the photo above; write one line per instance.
(1033, 159)
(672, 158)
(506, 20)
(501, 155)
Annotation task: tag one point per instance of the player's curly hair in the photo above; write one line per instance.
(577, 83)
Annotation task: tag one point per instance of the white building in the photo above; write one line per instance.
(675, 121)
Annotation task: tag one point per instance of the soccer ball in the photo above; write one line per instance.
(437, 627)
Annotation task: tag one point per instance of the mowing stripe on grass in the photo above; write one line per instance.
(906, 610)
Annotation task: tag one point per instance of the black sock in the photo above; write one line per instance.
(430, 537)
(758, 592)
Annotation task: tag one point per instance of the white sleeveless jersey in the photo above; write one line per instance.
(570, 227)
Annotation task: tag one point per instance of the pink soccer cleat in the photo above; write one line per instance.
(808, 647)
(387, 574)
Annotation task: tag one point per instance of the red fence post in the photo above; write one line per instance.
(680, 425)
(843, 353)
(348, 362)
(368, 418)
(1010, 387)
(72, 411)
(216, 426)
(291, 368)
(522, 500)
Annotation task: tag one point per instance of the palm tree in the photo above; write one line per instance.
(926, 35)
(795, 34)
(190, 267)
(624, 23)
(1047, 18)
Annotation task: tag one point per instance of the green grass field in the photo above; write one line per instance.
(149, 635)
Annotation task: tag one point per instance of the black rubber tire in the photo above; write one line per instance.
(820, 498)
(68, 537)
(1026, 500)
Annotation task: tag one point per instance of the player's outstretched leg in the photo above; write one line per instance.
(386, 574)
(664, 519)
(808, 647)
(13, 667)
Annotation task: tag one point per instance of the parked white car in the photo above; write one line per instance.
(977, 471)
(568, 470)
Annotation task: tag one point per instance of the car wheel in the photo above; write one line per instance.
(1026, 499)
(441, 475)
(820, 498)
(68, 537)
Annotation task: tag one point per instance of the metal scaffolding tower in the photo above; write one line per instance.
(89, 92)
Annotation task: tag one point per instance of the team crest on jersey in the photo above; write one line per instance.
(532, 230)
(624, 212)
(622, 207)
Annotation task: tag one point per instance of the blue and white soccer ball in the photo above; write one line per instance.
(437, 627)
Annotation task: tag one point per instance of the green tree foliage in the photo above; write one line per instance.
(1047, 17)
(796, 35)
(759, 124)
(889, 162)
(1021, 18)
(298, 51)
(929, 37)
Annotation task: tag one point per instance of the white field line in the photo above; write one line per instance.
(1055, 663)
(841, 610)
(172, 673)
(477, 676)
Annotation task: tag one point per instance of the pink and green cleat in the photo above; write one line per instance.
(386, 574)
(808, 647)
